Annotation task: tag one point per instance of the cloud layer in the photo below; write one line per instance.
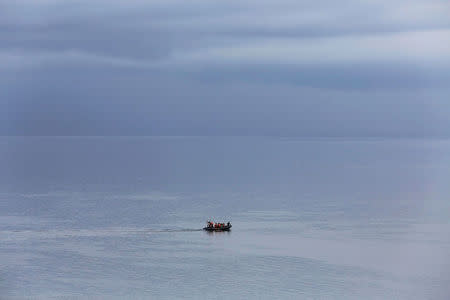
(225, 67)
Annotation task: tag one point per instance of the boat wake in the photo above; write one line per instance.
(175, 230)
(40, 234)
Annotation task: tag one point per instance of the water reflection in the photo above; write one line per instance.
(217, 232)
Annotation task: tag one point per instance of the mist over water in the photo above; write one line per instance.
(312, 218)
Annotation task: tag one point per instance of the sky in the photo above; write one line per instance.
(207, 67)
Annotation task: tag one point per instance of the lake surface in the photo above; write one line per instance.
(119, 217)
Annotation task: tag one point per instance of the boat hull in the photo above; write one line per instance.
(225, 228)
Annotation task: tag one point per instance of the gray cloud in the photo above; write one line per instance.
(225, 67)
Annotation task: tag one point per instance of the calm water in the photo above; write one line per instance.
(314, 219)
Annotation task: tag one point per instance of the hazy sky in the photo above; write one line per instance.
(228, 67)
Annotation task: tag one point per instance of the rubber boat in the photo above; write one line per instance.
(211, 226)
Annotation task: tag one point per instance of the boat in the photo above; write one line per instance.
(211, 226)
